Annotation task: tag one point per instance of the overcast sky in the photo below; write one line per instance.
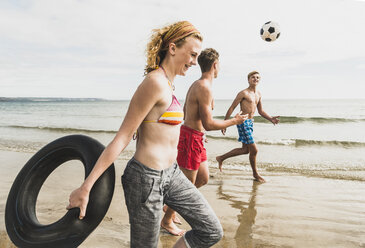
(69, 48)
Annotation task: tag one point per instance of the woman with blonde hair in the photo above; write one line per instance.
(152, 178)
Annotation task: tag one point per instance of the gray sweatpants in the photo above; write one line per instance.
(146, 190)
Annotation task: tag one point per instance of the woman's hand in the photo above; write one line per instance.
(79, 198)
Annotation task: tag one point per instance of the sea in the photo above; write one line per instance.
(315, 138)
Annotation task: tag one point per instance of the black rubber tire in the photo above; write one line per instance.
(21, 221)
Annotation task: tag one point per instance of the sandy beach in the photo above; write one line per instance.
(290, 210)
(84, 67)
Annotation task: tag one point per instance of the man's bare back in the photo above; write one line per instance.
(198, 101)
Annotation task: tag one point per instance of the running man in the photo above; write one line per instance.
(192, 157)
(249, 99)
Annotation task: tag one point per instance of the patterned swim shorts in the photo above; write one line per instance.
(245, 131)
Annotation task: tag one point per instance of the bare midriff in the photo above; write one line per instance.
(157, 145)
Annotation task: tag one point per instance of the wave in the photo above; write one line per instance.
(221, 137)
(295, 119)
(356, 173)
(48, 99)
(20, 146)
(298, 142)
(349, 171)
(280, 142)
(301, 142)
(63, 129)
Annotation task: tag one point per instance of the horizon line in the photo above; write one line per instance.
(125, 99)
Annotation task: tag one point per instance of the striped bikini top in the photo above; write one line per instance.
(174, 115)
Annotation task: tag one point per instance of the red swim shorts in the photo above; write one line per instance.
(191, 151)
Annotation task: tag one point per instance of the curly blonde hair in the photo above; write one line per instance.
(161, 38)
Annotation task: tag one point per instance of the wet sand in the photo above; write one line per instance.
(289, 210)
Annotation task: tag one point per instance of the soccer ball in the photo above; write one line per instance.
(270, 31)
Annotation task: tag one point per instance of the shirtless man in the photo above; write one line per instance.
(249, 99)
(192, 157)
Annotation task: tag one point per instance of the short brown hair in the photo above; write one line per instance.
(252, 73)
(206, 59)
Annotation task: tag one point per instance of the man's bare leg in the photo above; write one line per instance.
(232, 153)
(175, 219)
(203, 175)
(168, 224)
(253, 152)
(190, 174)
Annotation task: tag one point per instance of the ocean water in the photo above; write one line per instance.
(323, 138)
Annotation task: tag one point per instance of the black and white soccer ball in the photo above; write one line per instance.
(270, 31)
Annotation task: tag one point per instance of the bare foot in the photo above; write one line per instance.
(176, 220)
(172, 228)
(164, 208)
(259, 178)
(220, 162)
(174, 217)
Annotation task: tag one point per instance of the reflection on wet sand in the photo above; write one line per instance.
(246, 218)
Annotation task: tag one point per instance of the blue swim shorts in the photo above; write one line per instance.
(245, 131)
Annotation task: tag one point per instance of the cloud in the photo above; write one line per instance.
(96, 43)
(351, 67)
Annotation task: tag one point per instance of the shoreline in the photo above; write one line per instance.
(289, 210)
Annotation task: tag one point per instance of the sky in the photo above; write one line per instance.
(93, 48)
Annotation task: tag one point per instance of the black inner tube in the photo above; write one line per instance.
(21, 221)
